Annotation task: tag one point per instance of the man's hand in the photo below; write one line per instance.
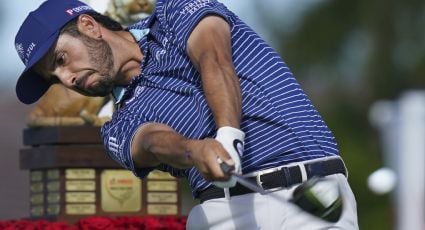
(204, 154)
(232, 140)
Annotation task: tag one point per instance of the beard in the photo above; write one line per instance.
(102, 60)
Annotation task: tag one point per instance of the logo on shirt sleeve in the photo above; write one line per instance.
(192, 7)
(113, 145)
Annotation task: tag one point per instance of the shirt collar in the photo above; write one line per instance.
(118, 93)
(139, 34)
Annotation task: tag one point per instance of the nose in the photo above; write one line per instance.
(67, 78)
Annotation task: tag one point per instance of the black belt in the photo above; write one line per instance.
(281, 178)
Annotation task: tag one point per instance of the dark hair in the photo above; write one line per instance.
(107, 22)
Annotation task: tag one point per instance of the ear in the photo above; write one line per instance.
(88, 26)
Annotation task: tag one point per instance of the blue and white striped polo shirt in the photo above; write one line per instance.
(280, 123)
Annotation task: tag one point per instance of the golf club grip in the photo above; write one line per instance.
(225, 168)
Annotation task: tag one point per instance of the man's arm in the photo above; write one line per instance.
(156, 143)
(209, 48)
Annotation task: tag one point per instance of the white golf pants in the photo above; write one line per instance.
(256, 211)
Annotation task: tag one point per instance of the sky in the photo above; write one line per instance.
(13, 13)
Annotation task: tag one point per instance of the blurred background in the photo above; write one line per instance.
(362, 63)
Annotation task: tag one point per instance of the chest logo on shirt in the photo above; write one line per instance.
(137, 92)
(165, 42)
(158, 54)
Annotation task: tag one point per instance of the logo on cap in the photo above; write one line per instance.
(77, 9)
(24, 54)
(70, 12)
(20, 49)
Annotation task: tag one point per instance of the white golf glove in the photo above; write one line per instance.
(232, 140)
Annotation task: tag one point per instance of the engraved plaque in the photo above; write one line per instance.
(37, 211)
(37, 199)
(80, 185)
(36, 175)
(80, 197)
(36, 187)
(162, 185)
(121, 191)
(80, 174)
(80, 209)
(53, 186)
(53, 209)
(53, 174)
(162, 209)
(159, 175)
(53, 197)
(162, 197)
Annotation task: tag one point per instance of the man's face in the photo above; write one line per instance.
(81, 63)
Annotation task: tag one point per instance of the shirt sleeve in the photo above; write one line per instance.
(117, 136)
(182, 16)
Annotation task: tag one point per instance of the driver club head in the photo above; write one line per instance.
(320, 197)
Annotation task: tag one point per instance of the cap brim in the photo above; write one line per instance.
(30, 85)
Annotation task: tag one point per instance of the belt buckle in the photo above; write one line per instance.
(262, 172)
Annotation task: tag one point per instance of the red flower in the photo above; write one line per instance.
(97, 223)
(152, 223)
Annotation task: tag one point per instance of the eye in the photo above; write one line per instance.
(60, 59)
